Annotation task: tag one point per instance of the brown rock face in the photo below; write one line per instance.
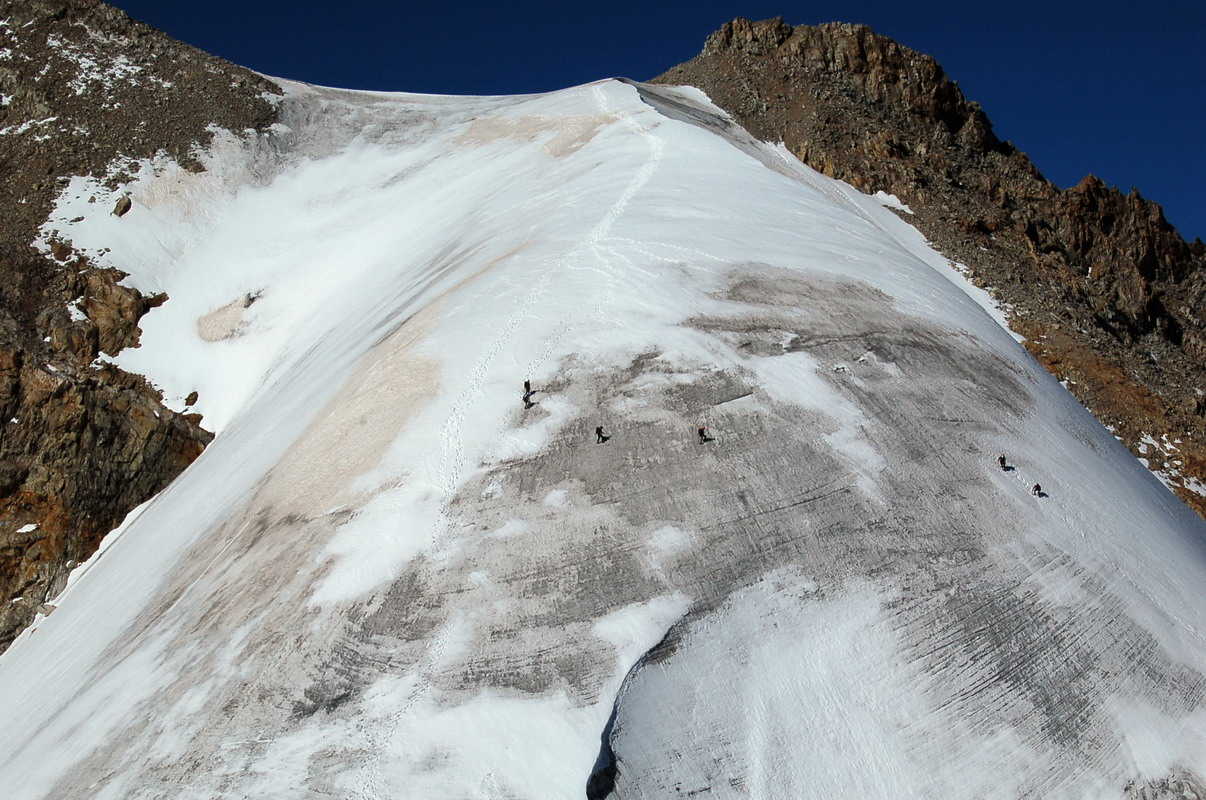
(81, 445)
(1109, 294)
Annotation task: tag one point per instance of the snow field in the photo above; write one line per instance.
(384, 579)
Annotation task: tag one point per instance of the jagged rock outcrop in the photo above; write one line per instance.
(82, 86)
(1106, 290)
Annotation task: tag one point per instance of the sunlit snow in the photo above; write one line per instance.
(388, 578)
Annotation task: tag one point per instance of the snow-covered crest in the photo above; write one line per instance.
(386, 577)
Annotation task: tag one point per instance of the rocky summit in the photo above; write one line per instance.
(1109, 296)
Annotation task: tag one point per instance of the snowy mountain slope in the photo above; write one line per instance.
(386, 578)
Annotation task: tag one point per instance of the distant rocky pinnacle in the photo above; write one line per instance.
(81, 444)
(1110, 297)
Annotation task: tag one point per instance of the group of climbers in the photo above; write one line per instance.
(600, 436)
(704, 438)
(1036, 489)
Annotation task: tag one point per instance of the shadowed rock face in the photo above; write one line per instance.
(79, 446)
(1089, 263)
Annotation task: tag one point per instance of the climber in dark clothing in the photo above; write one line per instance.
(527, 399)
(703, 435)
(527, 387)
(599, 437)
(1001, 460)
(1036, 490)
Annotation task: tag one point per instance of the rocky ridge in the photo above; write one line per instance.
(1106, 291)
(85, 90)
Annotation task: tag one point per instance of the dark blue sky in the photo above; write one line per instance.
(1114, 88)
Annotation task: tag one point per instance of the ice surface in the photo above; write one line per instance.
(892, 201)
(386, 577)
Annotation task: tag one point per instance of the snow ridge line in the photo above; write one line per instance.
(598, 239)
(452, 462)
(451, 468)
(598, 242)
(644, 174)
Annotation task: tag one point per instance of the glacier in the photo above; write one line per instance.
(387, 578)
